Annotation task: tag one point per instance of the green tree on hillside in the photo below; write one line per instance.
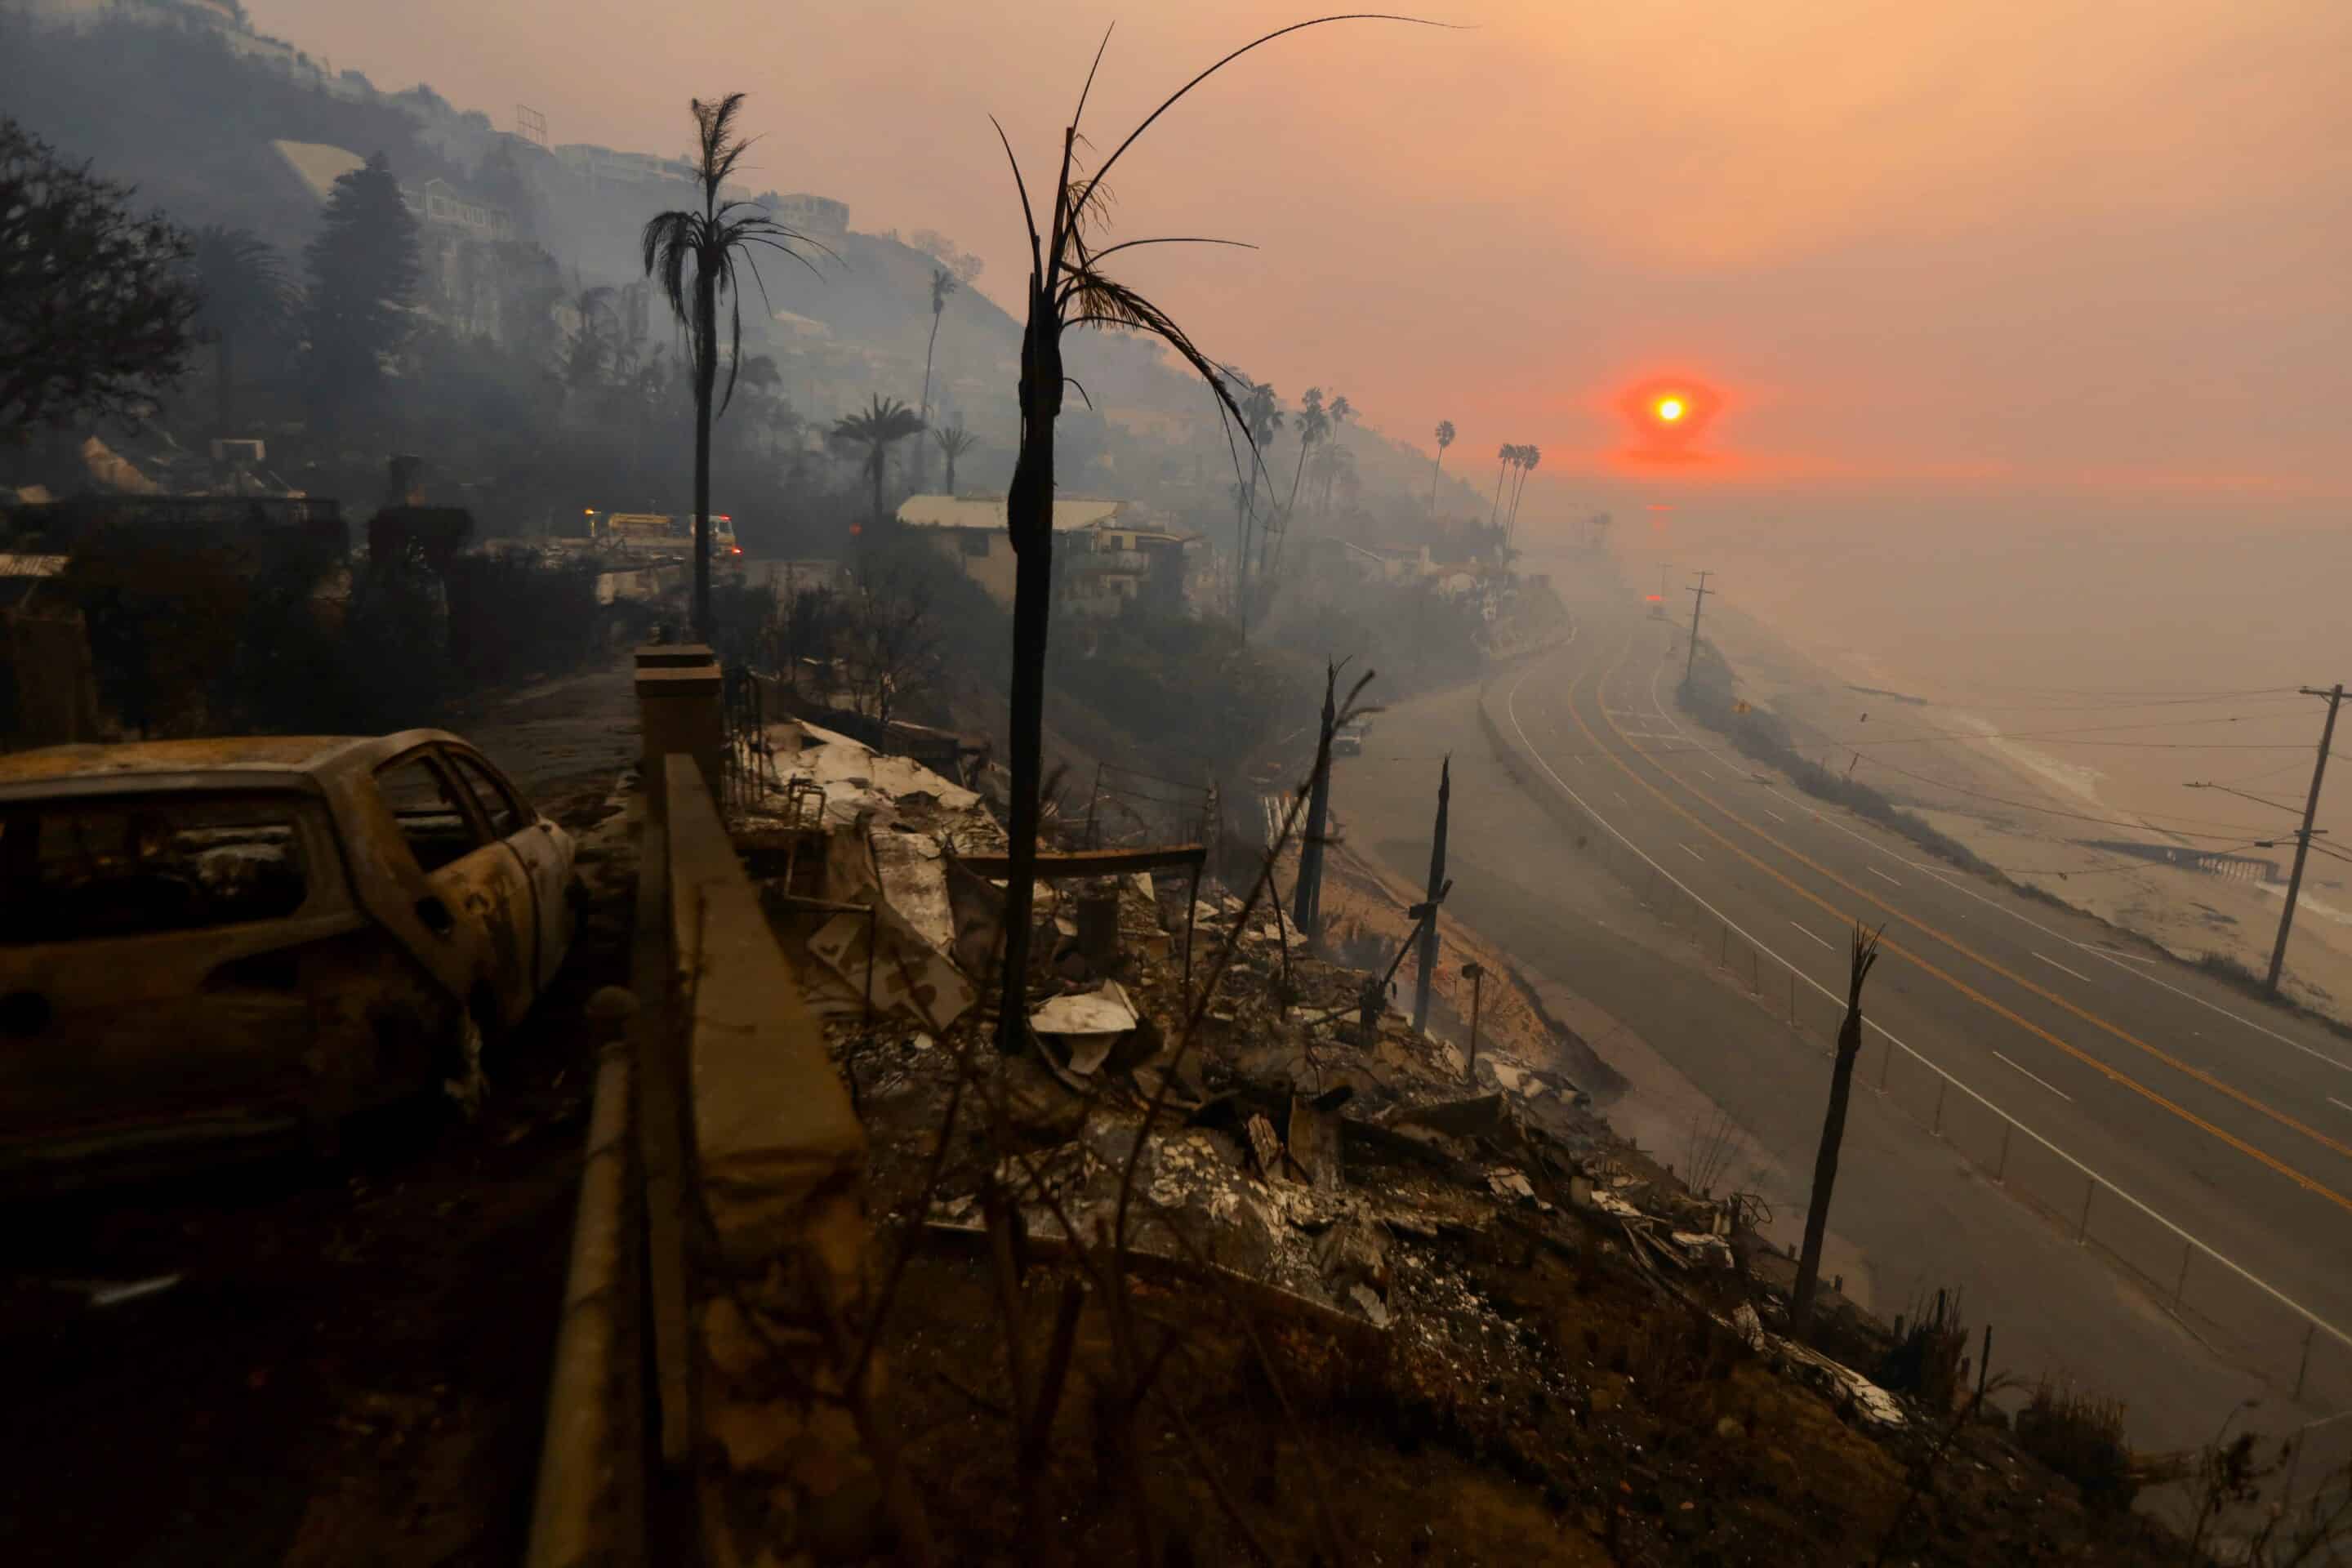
(694, 254)
(244, 295)
(1261, 419)
(94, 311)
(593, 350)
(879, 426)
(1341, 411)
(364, 275)
(1529, 456)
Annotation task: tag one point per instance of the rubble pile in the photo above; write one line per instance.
(1487, 1267)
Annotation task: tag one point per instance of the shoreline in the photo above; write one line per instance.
(2042, 821)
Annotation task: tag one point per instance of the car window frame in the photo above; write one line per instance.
(455, 760)
(467, 806)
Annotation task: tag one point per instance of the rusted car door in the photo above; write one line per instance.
(542, 848)
(470, 914)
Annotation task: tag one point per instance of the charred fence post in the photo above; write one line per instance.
(1437, 895)
(1817, 1216)
(1308, 897)
(1477, 973)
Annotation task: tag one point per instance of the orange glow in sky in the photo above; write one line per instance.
(1670, 409)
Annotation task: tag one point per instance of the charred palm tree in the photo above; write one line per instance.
(1068, 288)
(954, 442)
(881, 425)
(1503, 459)
(1444, 439)
(695, 255)
(944, 283)
(242, 289)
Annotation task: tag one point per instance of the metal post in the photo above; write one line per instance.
(1886, 1062)
(2083, 1229)
(1942, 1085)
(2001, 1170)
(1192, 909)
(1094, 839)
(1477, 973)
(2182, 1281)
(1984, 1365)
(2304, 1367)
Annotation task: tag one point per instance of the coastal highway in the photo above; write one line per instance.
(1703, 901)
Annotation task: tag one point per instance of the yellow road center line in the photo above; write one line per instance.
(2113, 1073)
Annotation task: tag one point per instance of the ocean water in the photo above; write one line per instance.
(2115, 660)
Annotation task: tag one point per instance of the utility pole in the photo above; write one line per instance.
(1698, 602)
(2335, 696)
(1437, 896)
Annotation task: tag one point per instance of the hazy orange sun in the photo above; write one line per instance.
(1670, 409)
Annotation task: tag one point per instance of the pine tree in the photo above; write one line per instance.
(363, 274)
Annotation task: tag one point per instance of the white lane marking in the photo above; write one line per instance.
(1830, 945)
(1945, 878)
(2042, 1081)
(1710, 768)
(1510, 708)
(1622, 800)
(1949, 881)
(2333, 1101)
(1691, 852)
(1774, 815)
(2063, 969)
(2111, 952)
(1880, 875)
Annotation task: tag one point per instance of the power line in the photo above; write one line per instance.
(1934, 735)
(2072, 815)
(2135, 690)
(2107, 706)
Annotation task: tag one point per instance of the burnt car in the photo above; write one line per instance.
(214, 943)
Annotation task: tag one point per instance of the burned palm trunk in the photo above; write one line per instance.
(1825, 1164)
(1308, 897)
(1437, 896)
(1029, 516)
(706, 382)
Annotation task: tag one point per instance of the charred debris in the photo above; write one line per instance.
(1228, 1232)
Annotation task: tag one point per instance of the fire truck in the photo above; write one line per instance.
(659, 533)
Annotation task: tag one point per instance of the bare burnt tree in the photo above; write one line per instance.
(1825, 1165)
(893, 643)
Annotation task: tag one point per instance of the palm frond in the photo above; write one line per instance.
(1104, 302)
(1028, 214)
(1254, 43)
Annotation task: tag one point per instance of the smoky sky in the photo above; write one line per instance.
(1985, 249)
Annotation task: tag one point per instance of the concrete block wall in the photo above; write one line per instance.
(782, 1274)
